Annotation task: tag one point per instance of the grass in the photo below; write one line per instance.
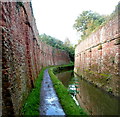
(31, 106)
(68, 104)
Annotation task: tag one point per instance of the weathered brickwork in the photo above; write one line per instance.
(23, 55)
(97, 58)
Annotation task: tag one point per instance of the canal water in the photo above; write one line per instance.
(94, 100)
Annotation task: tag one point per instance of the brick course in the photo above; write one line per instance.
(97, 58)
(23, 55)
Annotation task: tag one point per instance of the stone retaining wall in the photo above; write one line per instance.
(23, 55)
(97, 58)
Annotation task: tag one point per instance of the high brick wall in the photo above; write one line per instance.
(97, 58)
(23, 55)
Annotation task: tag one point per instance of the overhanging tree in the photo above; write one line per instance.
(87, 22)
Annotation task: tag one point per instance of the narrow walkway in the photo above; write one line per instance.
(49, 103)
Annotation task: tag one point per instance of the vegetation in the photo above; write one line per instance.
(69, 105)
(59, 69)
(58, 44)
(31, 106)
(89, 21)
(115, 12)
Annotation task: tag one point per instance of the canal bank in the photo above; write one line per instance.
(94, 100)
(67, 86)
(68, 104)
(35, 106)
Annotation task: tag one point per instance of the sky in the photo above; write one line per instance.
(56, 17)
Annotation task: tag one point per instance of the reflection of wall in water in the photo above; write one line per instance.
(65, 77)
(96, 101)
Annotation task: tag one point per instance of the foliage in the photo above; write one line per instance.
(87, 22)
(58, 44)
(31, 106)
(69, 105)
(115, 12)
(67, 42)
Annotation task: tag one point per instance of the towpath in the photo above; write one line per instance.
(49, 103)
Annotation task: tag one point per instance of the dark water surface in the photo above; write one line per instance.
(92, 99)
(65, 77)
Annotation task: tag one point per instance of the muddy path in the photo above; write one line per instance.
(49, 102)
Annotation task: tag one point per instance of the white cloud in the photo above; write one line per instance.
(56, 17)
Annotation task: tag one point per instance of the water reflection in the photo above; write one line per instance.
(96, 101)
(65, 77)
(92, 99)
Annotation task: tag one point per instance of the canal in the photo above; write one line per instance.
(94, 100)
